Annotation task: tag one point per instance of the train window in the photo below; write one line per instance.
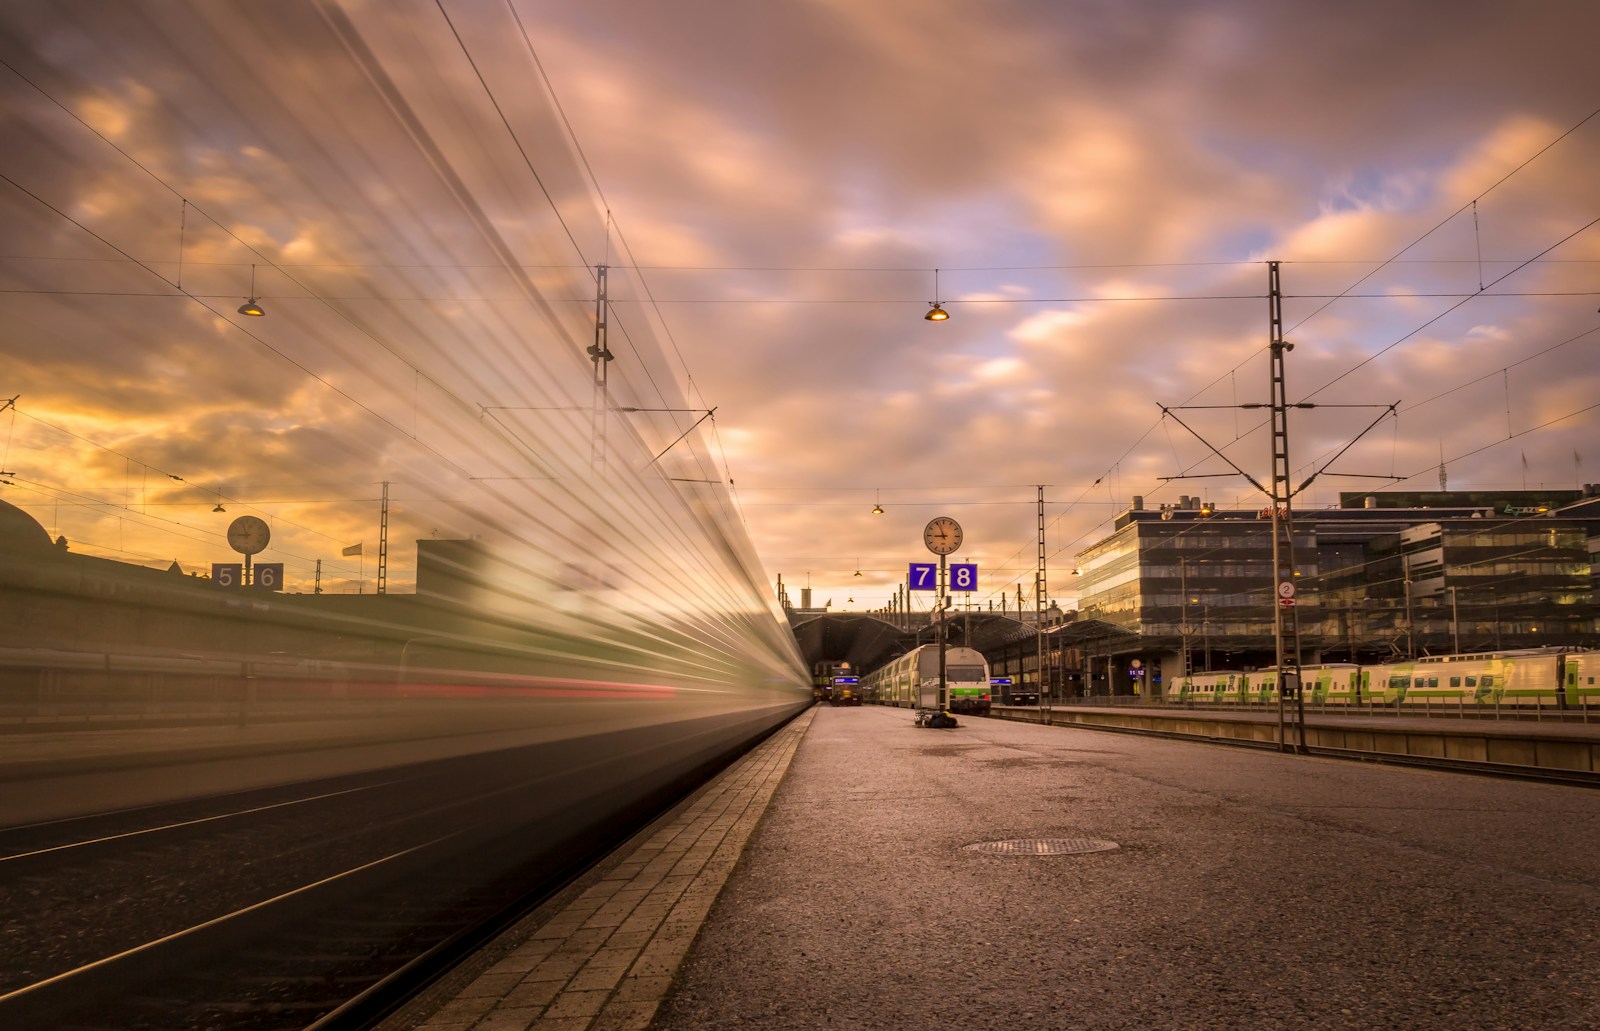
(1399, 681)
(1488, 680)
(1433, 681)
(1455, 681)
(1472, 681)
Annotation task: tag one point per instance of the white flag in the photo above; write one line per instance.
(354, 549)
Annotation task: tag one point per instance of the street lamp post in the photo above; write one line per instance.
(1184, 629)
(1455, 622)
(1411, 627)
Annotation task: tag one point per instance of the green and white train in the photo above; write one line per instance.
(912, 680)
(1535, 678)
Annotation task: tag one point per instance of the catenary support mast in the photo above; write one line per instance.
(1285, 612)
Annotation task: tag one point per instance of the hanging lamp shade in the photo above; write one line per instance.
(250, 307)
(935, 312)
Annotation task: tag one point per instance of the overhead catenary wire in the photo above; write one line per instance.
(1444, 221)
(1095, 502)
(128, 256)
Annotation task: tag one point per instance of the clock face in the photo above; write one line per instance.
(248, 535)
(942, 535)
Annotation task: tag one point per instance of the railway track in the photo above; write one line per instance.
(319, 905)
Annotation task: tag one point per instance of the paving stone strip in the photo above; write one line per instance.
(606, 960)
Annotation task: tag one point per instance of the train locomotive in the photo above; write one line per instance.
(913, 680)
(835, 683)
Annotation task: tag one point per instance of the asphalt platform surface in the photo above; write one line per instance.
(1247, 890)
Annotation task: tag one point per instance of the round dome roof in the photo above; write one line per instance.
(20, 530)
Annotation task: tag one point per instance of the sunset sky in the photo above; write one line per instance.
(423, 189)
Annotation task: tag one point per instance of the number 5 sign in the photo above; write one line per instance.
(963, 577)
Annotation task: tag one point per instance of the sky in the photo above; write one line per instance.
(421, 192)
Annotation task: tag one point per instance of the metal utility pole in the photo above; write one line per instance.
(944, 691)
(1184, 629)
(601, 355)
(1286, 614)
(1411, 621)
(1038, 602)
(383, 541)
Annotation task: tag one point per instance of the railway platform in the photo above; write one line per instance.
(856, 871)
(1526, 740)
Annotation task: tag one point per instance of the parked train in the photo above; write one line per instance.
(1535, 677)
(836, 683)
(913, 680)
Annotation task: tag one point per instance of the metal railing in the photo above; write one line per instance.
(1535, 708)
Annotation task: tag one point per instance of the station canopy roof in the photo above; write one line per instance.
(868, 641)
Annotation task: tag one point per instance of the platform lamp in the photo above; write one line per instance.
(877, 501)
(250, 307)
(935, 312)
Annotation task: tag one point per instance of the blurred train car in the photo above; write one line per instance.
(846, 690)
(836, 683)
(1213, 686)
(913, 680)
(1531, 678)
(821, 681)
(305, 686)
(1497, 678)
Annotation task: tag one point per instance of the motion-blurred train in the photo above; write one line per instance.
(283, 688)
(913, 680)
(1543, 678)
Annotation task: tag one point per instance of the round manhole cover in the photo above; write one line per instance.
(1042, 847)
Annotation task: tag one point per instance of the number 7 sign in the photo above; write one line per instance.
(924, 577)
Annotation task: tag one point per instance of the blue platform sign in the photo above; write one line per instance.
(1000, 681)
(924, 576)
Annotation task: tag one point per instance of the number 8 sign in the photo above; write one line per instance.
(925, 576)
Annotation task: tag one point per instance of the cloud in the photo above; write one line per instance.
(789, 176)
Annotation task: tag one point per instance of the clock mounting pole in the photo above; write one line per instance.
(942, 536)
(944, 688)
